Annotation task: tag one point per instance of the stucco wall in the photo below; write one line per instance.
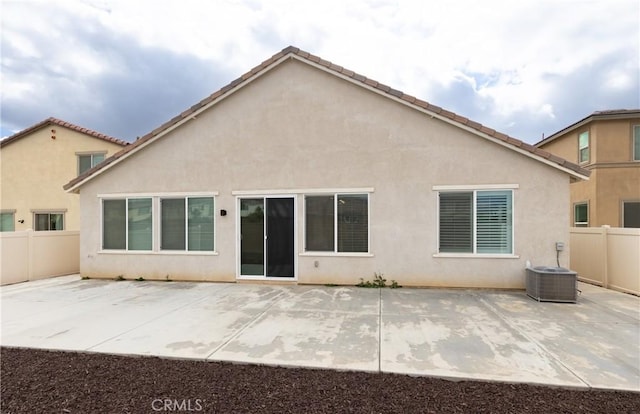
(614, 141)
(35, 167)
(300, 128)
(615, 177)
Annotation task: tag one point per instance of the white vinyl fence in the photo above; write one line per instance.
(607, 256)
(31, 255)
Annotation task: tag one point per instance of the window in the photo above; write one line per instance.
(187, 223)
(581, 215)
(127, 224)
(49, 221)
(636, 143)
(476, 222)
(631, 214)
(583, 147)
(337, 223)
(7, 221)
(87, 161)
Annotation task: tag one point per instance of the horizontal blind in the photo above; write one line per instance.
(353, 223)
(319, 222)
(493, 218)
(456, 222)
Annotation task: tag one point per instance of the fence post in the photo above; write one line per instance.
(30, 254)
(605, 255)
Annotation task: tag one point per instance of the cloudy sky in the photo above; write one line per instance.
(123, 67)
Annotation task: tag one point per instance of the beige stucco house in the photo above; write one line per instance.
(607, 143)
(36, 162)
(303, 171)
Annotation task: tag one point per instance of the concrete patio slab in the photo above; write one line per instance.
(199, 329)
(451, 333)
(460, 334)
(314, 327)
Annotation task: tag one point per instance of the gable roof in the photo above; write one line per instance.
(292, 52)
(596, 116)
(59, 122)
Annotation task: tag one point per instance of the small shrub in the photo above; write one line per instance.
(84, 278)
(140, 279)
(378, 282)
(119, 278)
(166, 278)
(394, 285)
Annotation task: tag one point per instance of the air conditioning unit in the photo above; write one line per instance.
(552, 284)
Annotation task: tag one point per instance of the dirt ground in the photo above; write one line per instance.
(40, 381)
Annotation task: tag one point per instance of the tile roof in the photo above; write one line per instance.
(596, 116)
(356, 78)
(59, 122)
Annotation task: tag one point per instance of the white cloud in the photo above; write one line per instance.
(509, 57)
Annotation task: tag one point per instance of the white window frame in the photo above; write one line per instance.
(186, 222)
(13, 219)
(634, 140)
(63, 211)
(580, 223)
(156, 222)
(126, 224)
(335, 251)
(475, 189)
(89, 154)
(623, 203)
(587, 147)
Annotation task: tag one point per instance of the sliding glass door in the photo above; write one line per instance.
(267, 237)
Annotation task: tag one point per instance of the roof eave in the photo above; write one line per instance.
(345, 74)
(186, 116)
(596, 116)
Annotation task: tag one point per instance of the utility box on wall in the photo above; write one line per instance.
(552, 284)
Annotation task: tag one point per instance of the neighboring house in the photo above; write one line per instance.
(608, 144)
(301, 170)
(35, 163)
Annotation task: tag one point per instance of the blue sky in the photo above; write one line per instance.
(123, 67)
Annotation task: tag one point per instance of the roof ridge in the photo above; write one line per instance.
(517, 144)
(55, 121)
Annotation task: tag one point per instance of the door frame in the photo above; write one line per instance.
(238, 243)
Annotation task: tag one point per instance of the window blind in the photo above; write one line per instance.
(456, 222)
(493, 218)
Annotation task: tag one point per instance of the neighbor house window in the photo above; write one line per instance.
(87, 161)
(476, 222)
(337, 223)
(631, 214)
(49, 221)
(583, 147)
(636, 143)
(127, 224)
(581, 215)
(187, 223)
(7, 221)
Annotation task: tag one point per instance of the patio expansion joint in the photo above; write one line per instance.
(164, 314)
(379, 330)
(538, 345)
(245, 326)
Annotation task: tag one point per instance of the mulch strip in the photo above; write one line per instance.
(41, 381)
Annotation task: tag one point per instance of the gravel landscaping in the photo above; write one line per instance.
(38, 381)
